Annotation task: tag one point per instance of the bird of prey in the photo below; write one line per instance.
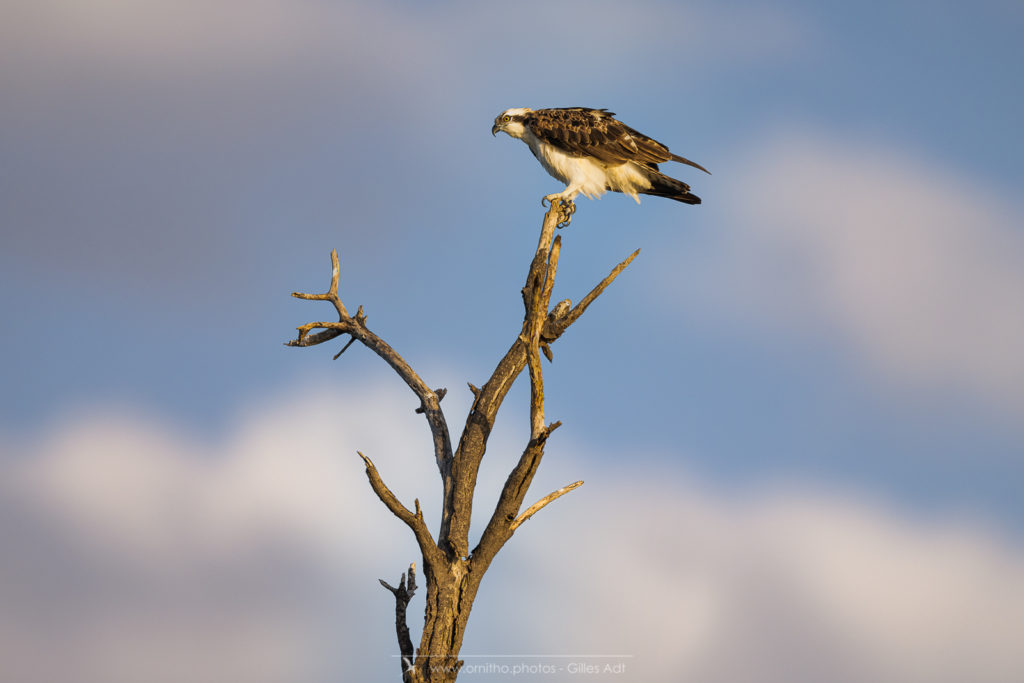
(592, 152)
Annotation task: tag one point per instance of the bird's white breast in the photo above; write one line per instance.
(591, 177)
(582, 172)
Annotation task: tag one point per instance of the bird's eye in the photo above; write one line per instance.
(506, 118)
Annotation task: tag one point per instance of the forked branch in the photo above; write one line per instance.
(524, 351)
(430, 400)
(403, 595)
(452, 574)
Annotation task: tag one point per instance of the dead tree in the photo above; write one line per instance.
(452, 571)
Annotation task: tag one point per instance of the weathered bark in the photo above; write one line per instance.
(452, 573)
(403, 595)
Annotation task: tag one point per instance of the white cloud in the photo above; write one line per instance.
(144, 554)
(779, 586)
(918, 269)
(133, 552)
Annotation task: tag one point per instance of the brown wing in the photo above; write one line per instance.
(595, 133)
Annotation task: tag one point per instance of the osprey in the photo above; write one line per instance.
(591, 152)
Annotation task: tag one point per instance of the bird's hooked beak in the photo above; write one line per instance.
(494, 129)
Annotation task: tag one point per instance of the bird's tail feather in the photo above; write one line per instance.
(663, 186)
(683, 160)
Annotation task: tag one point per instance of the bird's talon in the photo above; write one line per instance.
(565, 210)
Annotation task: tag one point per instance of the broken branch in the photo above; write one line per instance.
(536, 507)
(403, 595)
(414, 520)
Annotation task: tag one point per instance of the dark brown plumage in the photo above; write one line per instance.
(581, 131)
(592, 152)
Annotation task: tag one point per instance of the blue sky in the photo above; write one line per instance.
(839, 323)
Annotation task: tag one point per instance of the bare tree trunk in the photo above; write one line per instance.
(452, 572)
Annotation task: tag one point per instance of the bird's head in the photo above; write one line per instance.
(511, 121)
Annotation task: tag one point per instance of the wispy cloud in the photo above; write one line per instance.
(784, 585)
(912, 267)
(137, 552)
(400, 39)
